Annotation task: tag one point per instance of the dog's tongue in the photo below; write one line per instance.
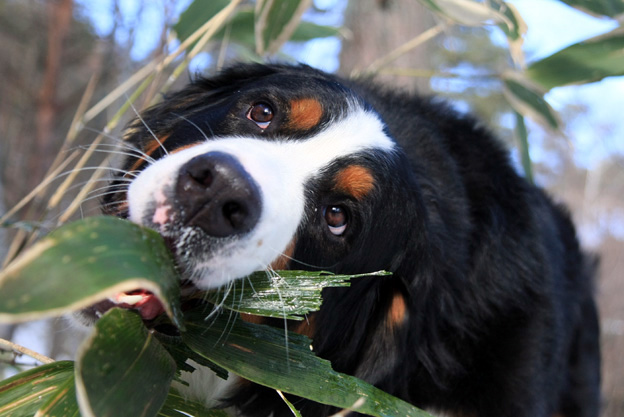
(144, 301)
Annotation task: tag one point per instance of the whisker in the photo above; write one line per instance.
(114, 203)
(199, 129)
(280, 253)
(83, 183)
(270, 270)
(148, 128)
(136, 155)
(86, 169)
(120, 143)
(84, 200)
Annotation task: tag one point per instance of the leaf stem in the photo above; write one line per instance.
(401, 50)
(25, 351)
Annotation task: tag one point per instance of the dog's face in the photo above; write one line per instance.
(261, 167)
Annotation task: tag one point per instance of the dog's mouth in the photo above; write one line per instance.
(145, 302)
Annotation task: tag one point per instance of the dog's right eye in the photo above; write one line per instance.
(261, 114)
(336, 218)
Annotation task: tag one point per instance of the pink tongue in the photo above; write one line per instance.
(148, 306)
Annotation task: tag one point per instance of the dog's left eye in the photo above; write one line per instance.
(261, 114)
(336, 218)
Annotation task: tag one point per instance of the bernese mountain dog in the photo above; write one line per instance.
(489, 311)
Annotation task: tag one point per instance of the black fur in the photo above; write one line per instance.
(500, 318)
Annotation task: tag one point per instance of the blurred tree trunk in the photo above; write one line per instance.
(378, 27)
(59, 21)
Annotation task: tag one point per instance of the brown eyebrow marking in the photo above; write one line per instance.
(305, 113)
(355, 180)
(149, 150)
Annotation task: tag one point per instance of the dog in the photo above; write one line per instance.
(489, 310)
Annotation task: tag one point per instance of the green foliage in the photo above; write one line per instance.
(264, 29)
(293, 368)
(41, 388)
(263, 294)
(585, 62)
(124, 369)
(115, 254)
(581, 63)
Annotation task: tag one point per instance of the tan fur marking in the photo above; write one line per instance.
(397, 312)
(305, 113)
(283, 260)
(307, 327)
(149, 150)
(181, 148)
(120, 207)
(250, 318)
(355, 180)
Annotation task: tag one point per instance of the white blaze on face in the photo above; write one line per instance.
(280, 169)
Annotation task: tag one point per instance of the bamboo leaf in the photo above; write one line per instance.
(195, 15)
(584, 62)
(612, 8)
(286, 294)
(26, 392)
(84, 262)
(260, 354)
(121, 369)
(275, 22)
(523, 145)
(528, 100)
(178, 406)
(63, 403)
(514, 28)
(240, 28)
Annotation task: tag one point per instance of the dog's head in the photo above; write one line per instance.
(264, 167)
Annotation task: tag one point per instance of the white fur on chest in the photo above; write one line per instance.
(205, 387)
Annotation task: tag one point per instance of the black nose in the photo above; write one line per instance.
(216, 194)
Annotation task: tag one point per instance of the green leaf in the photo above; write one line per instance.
(240, 28)
(63, 403)
(275, 22)
(27, 392)
(177, 406)
(260, 354)
(307, 31)
(121, 369)
(195, 15)
(84, 262)
(285, 294)
(584, 62)
(528, 99)
(610, 8)
(523, 145)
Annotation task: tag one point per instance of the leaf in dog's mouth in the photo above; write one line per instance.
(88, 264)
